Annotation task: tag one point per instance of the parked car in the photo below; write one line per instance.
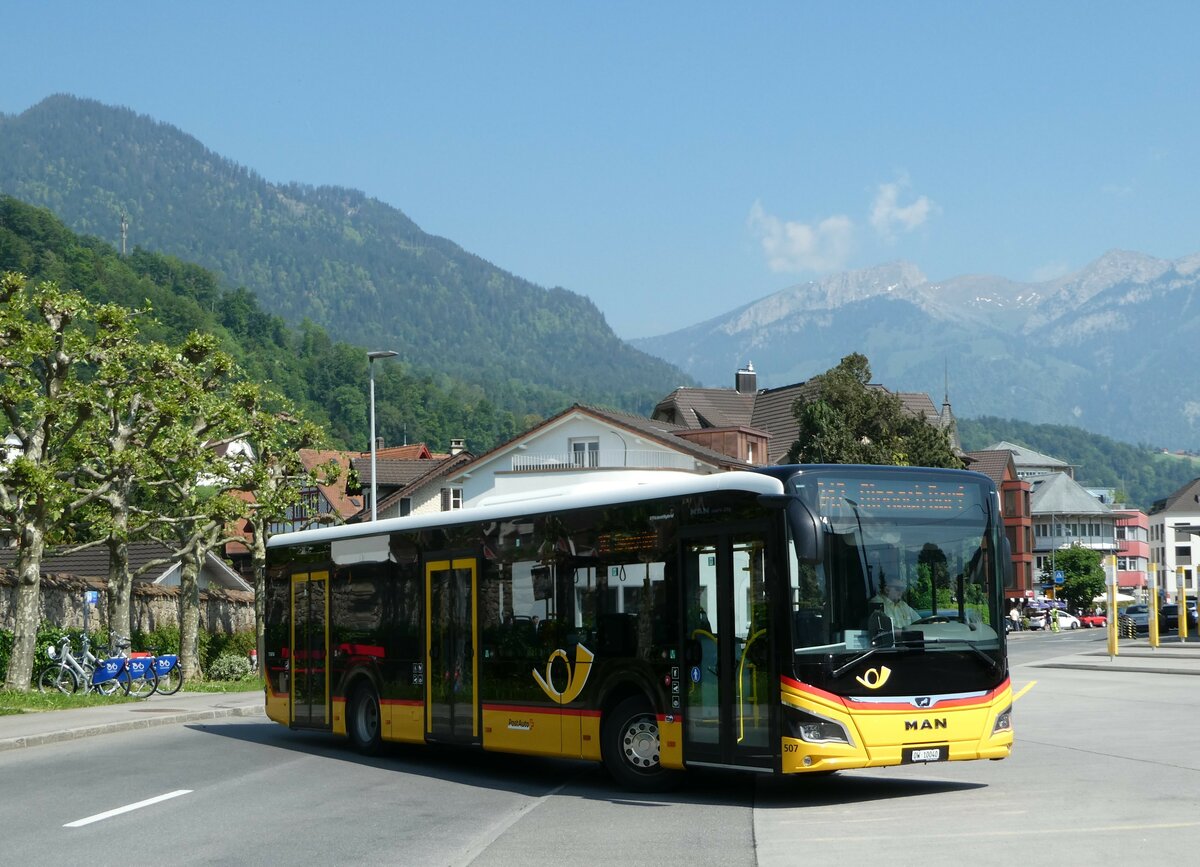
(1094, 620)
(1139, 615)
(1037, 620)
(1168, 616)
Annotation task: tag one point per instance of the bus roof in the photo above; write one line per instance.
(617, 487)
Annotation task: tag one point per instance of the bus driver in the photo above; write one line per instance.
(891, 600)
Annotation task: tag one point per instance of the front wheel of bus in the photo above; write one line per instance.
(364, 721)
(630, 746)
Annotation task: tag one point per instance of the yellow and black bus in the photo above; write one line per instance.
(793, 619)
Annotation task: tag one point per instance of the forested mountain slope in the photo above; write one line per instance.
(1140, 471)
(357, 267)
(327, 379)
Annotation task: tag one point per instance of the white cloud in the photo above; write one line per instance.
(802, 247)
(888, 215)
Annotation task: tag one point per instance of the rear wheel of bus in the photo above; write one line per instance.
(630, 744)
(363, 721)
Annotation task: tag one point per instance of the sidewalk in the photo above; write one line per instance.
(1135, 654)
(32, 729)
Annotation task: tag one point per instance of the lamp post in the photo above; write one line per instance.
(371, 358)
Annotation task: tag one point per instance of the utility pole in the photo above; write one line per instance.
(124, 231)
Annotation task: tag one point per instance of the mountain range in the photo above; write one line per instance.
(359, 268)
(1107, 349)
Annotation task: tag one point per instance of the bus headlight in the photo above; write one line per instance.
(816, 729)
(1003, 721)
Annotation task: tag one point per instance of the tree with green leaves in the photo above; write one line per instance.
(276, 476)
(1083, 575)
(850, 421)
(47, 403)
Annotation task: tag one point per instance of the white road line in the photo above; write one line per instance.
(79, 823)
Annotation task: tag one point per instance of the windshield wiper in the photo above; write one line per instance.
(838, 672)
(993, 664)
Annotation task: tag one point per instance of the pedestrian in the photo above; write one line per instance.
(1015, 617)
(1053, 620)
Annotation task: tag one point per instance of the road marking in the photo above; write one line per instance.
(79, 823)
(1025, 689)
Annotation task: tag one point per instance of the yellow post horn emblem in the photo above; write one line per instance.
(576, 676)
(873, 678)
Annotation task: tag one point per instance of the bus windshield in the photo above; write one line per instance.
(909, 566)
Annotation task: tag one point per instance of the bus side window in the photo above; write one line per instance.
(617, 635)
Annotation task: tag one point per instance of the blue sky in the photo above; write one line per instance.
(672, 161)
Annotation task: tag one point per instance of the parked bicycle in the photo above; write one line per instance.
(167, 674)
(67, 672)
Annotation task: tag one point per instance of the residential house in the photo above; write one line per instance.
(759, 426)
(1174, 540)
(583, 443)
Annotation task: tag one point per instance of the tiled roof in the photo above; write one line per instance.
(344, 504)
(993, 464)
(1058, 493)
(698, 408)
(93, 563)
(392, 473)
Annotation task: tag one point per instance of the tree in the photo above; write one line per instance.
(275, 477)
(849, 421)
(1083, 575)
(47, 404)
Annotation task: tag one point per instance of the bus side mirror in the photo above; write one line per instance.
(807, 535)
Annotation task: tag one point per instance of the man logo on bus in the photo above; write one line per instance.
(873, 678)
(576, 677)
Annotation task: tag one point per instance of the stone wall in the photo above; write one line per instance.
(221, 611)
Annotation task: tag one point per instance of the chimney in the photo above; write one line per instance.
(378, 444)
(457, 447)
(747, 380)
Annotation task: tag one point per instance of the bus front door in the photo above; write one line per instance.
(451, 663)
(309, 662)
(727, 719)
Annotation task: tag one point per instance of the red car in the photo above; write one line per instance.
(1093, 620)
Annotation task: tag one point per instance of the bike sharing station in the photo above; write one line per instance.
(139, 674)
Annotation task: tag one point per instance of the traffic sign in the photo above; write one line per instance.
(1058, 576)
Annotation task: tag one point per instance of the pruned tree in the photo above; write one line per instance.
(849, 421)
(47, 403)
(275, 477)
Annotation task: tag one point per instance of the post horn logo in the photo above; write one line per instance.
(873, 678)
(576, 677)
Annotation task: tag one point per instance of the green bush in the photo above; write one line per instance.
(229, 666)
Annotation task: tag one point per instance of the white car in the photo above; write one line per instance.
(1065, 620)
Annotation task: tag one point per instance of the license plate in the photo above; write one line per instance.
(913, 755)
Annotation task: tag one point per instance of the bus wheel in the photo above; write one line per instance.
(630, 746)
(363, 721)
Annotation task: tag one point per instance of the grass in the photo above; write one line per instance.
(35, 702)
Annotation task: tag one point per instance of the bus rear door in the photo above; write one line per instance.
(727, 718)
(451, 659)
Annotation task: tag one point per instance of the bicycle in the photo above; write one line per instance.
(101, 675)
(140, 676)
(163, 670)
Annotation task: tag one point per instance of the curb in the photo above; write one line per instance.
(168, 718)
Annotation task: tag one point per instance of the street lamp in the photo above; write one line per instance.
(371, 358)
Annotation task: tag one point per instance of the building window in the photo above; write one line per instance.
(405, 506)
(585, 452)
(1010, 504)
(451, 499)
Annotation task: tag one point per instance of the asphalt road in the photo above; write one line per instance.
(1107, 768)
